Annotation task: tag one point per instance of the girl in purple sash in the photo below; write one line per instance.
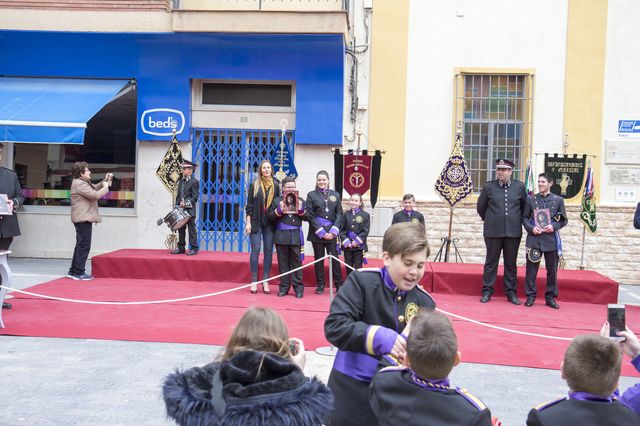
(353, 236)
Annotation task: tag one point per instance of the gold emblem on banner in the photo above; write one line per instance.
(411, 311)
(356, 179)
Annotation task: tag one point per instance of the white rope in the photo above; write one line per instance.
(150, 302)
(202, 296)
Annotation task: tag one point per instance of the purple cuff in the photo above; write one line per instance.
(631, 398)
(279, 211)
(301, 212)
(359, 240)
(334, 230)
(636, 363)
(346, 243)
(379, 340)
(320, 232)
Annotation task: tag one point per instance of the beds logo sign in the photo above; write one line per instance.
(162, 121)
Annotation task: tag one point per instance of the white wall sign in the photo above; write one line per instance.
(624, 175)
(623, 152)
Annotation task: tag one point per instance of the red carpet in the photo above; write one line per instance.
(210, 320)
(206, 266)
(574, 286)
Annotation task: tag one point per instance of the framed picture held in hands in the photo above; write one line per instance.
(4, 206)
(290, 198)
(542, 217)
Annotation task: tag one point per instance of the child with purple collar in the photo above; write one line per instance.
(353, 236)
(591, 368)
(408, 214)
(432, 352)
(367, 319)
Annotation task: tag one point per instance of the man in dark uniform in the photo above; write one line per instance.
(289, 238)
(591, 368)
(325, 220)
(543, 239)
(408, 214)
(500, 205)
(9, 226)
(187, 198)
(432, 352)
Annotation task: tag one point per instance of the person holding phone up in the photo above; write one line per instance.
(544, 215)
(630, 346)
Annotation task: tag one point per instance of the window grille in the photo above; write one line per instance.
(495, 112)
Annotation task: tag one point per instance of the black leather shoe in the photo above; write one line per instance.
(552, 304)
(282, 293)
(512, 298)
(299, 295)
(6, 305)
(530, 301)
(320, 289)
(192, 252)
(485, 298)
(178, 251)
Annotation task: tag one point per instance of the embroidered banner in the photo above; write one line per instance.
(170, 169)
(282, 161)
(567, 172)
(357, 174)
(454, 183)
(588, 212)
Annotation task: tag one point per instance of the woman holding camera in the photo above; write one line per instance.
(256, 380)
(84, 213)
(259, 198)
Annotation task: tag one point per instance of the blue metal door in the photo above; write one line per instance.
(228, 161)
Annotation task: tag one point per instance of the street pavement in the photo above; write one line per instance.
(46, 381)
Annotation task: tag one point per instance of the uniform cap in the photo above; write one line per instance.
(503, 163)
(187, 163)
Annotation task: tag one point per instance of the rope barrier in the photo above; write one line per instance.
(150, 302)
(218, 293)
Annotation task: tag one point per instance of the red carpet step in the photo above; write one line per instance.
(447, 278)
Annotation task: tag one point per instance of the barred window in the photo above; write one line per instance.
(495, 113)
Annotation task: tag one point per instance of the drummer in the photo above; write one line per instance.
(187, 198)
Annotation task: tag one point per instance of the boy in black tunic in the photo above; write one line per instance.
(289, 239)
(367, 319)
(432, 352)
(591, 368)
(408, 214)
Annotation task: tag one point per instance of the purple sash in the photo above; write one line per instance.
(327, 222)
(284, 227)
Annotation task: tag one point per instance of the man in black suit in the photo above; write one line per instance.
(543, 238)
(500, 205)
(187, 198)
(9, 226)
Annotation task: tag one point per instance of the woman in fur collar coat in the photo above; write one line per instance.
(256, 381)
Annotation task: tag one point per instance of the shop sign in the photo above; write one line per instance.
(162, 121)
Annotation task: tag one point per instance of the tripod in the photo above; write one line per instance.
(445, 247)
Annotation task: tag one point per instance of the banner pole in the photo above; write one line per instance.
(584, 232)
(328, 350)
(446, 250)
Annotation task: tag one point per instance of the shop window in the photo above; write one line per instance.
(247, 94)
(44, 170)
(494, 110)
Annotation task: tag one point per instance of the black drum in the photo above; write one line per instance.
(177, 218)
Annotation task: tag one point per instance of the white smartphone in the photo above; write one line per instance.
(616, 318)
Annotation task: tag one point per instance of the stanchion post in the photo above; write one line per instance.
(328, 350)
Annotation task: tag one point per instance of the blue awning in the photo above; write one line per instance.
(51, 110)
